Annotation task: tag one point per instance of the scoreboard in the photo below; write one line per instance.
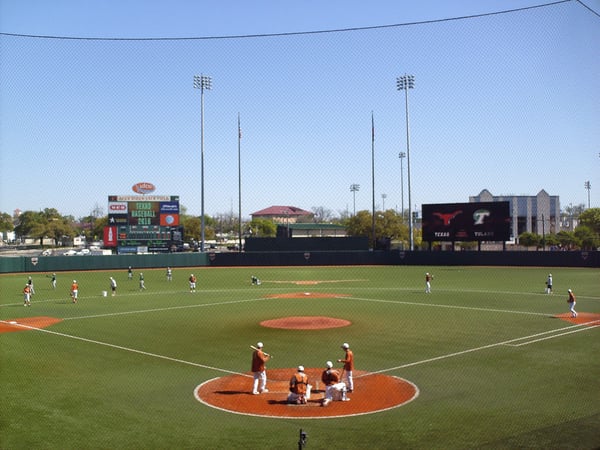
(143, 224)
(483, 221)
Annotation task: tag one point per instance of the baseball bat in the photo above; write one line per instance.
(266, 354)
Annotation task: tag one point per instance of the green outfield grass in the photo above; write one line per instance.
(495, 368)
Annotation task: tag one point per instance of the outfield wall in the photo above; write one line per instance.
(306, 258)
(93, 262)
(416, 258)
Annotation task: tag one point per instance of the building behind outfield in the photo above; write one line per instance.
(538, 214)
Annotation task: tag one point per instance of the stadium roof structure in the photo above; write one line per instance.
(282, 211)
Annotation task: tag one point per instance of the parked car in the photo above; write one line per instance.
(83, 251)
(69, 253)
(47, 252)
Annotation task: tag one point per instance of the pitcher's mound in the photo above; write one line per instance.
(372, 393)
(305, 323)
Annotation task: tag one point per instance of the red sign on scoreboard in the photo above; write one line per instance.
(110, 236)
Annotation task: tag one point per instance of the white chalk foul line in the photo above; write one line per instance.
(437, 305)
(529, 340)
(127, 349)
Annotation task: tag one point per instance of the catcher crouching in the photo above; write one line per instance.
(299, 388)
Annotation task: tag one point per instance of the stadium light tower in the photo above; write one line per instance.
(203, 83)
(404, 83)
(588, 186)
(402, 156)
(354, 188)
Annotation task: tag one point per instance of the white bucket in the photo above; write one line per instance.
(104, 293)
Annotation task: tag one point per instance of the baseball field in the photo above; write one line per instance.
(486, 360)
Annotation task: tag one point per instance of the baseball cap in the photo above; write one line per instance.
(259, 344)
(345, 345)
(329, 364)
(569, 290)
(300, 368)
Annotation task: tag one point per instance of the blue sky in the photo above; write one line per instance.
(507, 102)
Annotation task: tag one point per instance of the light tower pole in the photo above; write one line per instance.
(404, 83)
(203, 83)
(588, 186)
(402, 155)
(354, 188)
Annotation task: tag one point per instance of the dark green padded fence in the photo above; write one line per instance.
(307, 258)
(92, 262)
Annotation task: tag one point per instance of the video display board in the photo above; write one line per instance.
(482, 221)
(147, 223)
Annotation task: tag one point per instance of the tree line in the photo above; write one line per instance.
(389, 224)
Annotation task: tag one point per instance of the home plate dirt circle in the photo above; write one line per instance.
(372, 393)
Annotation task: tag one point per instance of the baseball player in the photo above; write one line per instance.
(299, 388)
(192, 281)
(30, 283)
(259, 358)
(27, 295)
(74, 291)
(549, 284)
(572, 302)
(348, 361)
(113, 286)
(334, 389)
(428, 278)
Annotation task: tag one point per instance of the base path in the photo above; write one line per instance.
(583, 318)
(372, 393)
(26, 323)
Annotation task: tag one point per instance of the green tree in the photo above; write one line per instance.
(586, 238)
(31, 224)
(262, 228)
(191, 228)
(58, 227)
(6, 222)
(360, 224)
(388, 224)
(590, 218)
(528, 239)
(97, 232)
(46, 223)
(566, 239)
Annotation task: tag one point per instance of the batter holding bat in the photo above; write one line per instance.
(348, 361)
(259, 359)
(334, 388)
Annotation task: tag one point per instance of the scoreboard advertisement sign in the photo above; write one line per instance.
(143, 223)
(483, 221)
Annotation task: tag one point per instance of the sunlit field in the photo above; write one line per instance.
(496, 361)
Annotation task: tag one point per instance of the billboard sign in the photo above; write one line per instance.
(482, 221)
(143, 188)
